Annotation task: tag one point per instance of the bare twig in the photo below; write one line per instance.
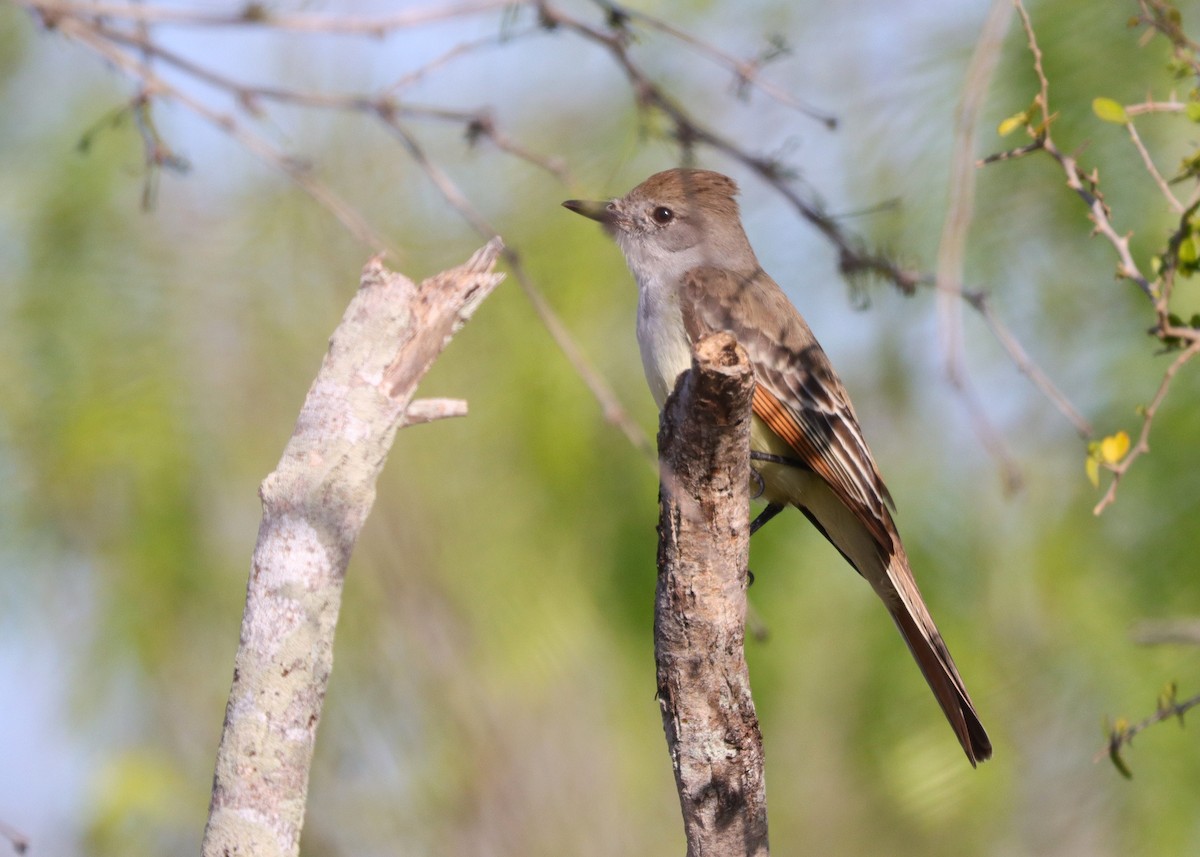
(300, 175)
(961, 205)
(1121, 733)
(854, 257)
(1148, 162)
(314, 505)
(1142, 446)
(746, 71)
(1167, 632)
(700, 604)
(610, 404)
(1164, 18)
(1158, 290)
(428, 410)
(1025, 364)
(20, 842)
(1043, 96)
(1152, 106)
(477, 123)
(1086, 187)
(959, 213)
(254, 14)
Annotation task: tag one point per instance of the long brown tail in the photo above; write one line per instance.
(935, 662)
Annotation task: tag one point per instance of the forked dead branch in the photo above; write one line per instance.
(314, 506)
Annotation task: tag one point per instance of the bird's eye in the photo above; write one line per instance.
(662, 214)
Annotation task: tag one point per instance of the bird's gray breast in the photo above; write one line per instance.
(666, 349)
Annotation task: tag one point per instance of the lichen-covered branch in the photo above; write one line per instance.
(314, 505)
(700, 605)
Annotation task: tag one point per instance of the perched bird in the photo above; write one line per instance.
(683, 240)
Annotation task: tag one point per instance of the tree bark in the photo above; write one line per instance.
(314, 505)
(700, 605)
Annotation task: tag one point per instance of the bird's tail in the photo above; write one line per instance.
(932, 656)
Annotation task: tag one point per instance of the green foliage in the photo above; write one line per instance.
(1110, 111)
(135, 793)
(98, 409)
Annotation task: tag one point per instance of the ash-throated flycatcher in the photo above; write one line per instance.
(697, 274)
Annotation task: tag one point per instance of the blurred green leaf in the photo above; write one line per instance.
(1110, 111)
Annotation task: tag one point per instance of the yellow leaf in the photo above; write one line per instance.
(1114, 447)
(1110, 111)
(1093, 471)
(1167, 696)
(1188, 252)
(1012, 123)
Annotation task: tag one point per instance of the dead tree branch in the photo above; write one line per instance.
(314, 506)
(700, 605)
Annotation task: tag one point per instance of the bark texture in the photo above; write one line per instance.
(700, 606)
(314, 505)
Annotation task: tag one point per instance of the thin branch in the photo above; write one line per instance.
(1167, 632)
(1175, 204)
(1025, 364)
(959, 213)
(1035, 145)
(19, 841)
(1088, 190)
(254, 14)
(1163, 17)
(477, 123)
(1043, 96)
(424, 411)
(614, 412)
(1158, 291)
(746, 71)
(1152, 106)
(1086, 187)
(1142, 446)
(961, 204)
(504, 37)
(1121, 734)
(346, 214)
(854, 258)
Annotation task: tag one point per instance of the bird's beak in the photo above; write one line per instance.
(595, 209)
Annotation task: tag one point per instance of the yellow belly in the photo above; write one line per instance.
(800, 487)
(781, 484)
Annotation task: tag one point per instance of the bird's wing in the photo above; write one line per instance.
(798, 394)
(802, 400)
